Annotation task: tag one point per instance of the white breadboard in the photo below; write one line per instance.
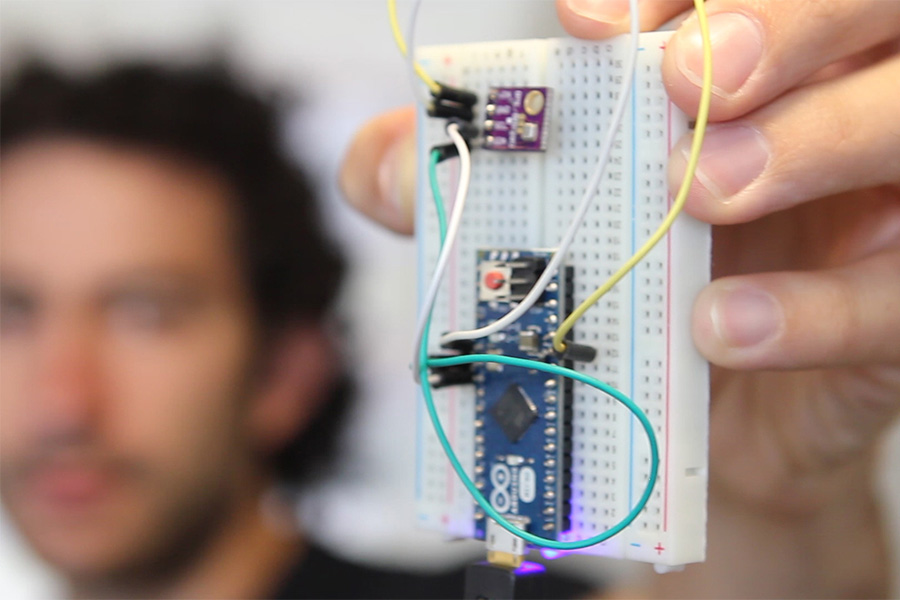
(641, 328)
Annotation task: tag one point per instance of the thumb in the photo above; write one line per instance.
(378, 176)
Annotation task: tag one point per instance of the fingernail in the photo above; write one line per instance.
(733, 157)
(737, 47)
(605, 11)
(397, 181)
(746, 316)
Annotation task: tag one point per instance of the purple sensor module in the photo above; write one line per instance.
(515, 118)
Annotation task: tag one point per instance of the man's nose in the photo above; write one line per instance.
(68, 380)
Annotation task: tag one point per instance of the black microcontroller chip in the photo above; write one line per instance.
(514, 412)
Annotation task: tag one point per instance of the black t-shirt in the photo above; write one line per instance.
(320, 574)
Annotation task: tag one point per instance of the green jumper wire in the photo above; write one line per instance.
(427, 363)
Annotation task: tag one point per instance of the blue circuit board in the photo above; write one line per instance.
(523, 417)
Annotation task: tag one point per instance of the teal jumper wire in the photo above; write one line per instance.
(427, 363)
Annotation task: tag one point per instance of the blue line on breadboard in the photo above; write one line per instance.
(420, 284)
(633, 280)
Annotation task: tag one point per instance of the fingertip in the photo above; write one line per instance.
(736, 44)
(702, 327)
(736, 323)
(377, 176)
(701, 203)
(593, 19)
(682, 90)
(730, 172)
(599, 19)
(684, 93)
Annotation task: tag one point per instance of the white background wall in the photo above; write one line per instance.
(339, 55)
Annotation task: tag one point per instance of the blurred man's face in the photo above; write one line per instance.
(126, 344)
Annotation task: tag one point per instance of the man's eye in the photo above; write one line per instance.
(16, 314)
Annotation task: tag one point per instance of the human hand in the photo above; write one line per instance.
(801, 174)
(803, 168)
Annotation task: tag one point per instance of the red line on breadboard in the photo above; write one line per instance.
(668, 334)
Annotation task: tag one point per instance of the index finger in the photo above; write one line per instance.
(378, 176)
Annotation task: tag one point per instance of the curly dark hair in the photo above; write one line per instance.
(203, 114)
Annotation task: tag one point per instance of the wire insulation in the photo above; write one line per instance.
(433, 85)
(434, 158)
(423, 98)
(554, 370)
(426, 363)
(456, 213)
(569, 237)
(559, 343)
(485, 505)
(448, 234)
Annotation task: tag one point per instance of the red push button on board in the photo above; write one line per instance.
(494, 280)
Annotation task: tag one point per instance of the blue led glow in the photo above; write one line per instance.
(530, 568)
(553, 554)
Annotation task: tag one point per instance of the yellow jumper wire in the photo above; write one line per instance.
(433, 85)
(559, 342)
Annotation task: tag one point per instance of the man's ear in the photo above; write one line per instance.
(298, 372)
